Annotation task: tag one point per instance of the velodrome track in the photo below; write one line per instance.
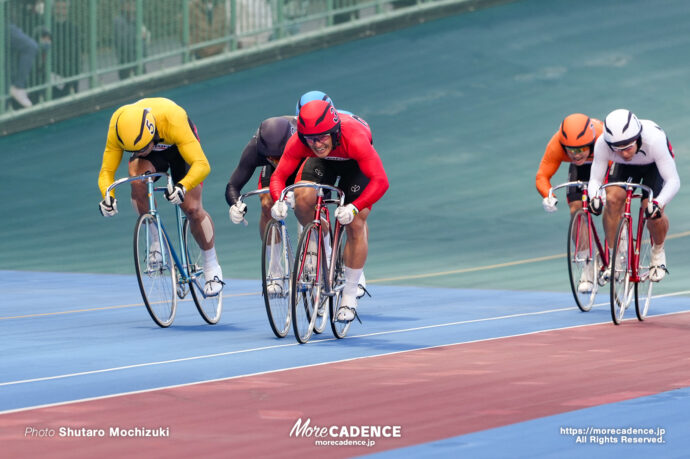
(471, 342)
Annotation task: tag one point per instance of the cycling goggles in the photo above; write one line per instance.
(138, 153)
(575, 151)
(321, 138)
(623, 147)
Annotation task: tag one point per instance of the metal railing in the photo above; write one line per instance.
(54, 50)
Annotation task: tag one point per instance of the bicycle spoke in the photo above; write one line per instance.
(621, 287)
(156, 274)
(307, 283)
(276, 263)
(337, 282)
(643, 288)
(583, 260)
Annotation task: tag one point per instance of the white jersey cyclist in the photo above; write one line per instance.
(654, 149)
(638, 150)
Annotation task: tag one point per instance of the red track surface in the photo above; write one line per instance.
(433, 394)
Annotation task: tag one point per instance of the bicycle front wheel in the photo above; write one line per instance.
(307, 283)
(340, 329)
(621, 286)
(643, 288)
(584, 261)
(276, 261)
(210, 307)
(155, 271)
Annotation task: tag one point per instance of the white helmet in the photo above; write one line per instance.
(621, 127)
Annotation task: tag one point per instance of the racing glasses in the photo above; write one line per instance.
(321, 138)
(623, 147)
(575, 151)
(138, 153)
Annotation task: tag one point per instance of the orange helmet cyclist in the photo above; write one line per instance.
(572, 143)
(577, 135)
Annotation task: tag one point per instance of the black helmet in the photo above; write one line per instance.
(272, 135)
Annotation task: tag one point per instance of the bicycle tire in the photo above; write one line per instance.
(322, 311)
(306, 285)
(621, 289)
(337, 282)
(277, 305)
(584, 260)
(643, 288)
(210, 308)
(157, 280)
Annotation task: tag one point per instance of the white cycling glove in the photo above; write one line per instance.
(108, 210)
(290, 199)
(345, 214)
(549, 203)
(176, 195)
(279, 210)
(237, 212)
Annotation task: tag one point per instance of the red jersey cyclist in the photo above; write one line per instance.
(334, 145)
(158, 135)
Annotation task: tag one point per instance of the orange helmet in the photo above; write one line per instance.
(577, 130)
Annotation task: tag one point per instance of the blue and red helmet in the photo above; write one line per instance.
(318, 117)
(308, 97)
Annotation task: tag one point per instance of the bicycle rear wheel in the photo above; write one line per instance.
(643, 288)
(307, 284)
(584, 261)
(621, 286)
(210, 307)
(276, 261)
(157, 279)
(340, 329)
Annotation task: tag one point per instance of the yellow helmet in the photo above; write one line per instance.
(135, 127)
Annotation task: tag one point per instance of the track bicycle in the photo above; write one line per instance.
(315, 278)
(631, 259)
(587, 257)
(277, 258)
(163, 273)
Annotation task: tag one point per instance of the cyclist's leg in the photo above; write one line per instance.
(574, 194)
(201, 226)
(585, 281)
(266, 204)
(140, 201)
(200, 222)
(314, 170)
(615, 199)
(658, 227)
(140, 166)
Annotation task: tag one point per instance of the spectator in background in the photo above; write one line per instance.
(67, 49)
(125, 36)
(207, 20)
(23, 50)
(350, 15)
(254, 15)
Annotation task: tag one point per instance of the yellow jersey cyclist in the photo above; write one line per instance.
(159, 136)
